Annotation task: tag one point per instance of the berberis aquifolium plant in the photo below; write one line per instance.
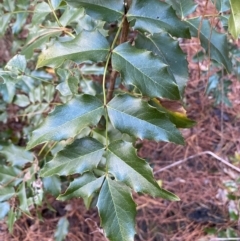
(108, 66)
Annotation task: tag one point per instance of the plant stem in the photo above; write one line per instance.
(105, 74)
(123, 38)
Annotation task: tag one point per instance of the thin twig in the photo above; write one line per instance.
(199, 154)
(123, 38)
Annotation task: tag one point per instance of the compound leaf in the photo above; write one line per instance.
(135, 117)
(81, 156)
(215, 43)
(127, 167)
(154, 16)
(68, 120)
(170, 53)
(103, 10)
(145, 71)
(86, 46)
(117, 211)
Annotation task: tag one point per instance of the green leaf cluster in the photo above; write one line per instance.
(103, 67)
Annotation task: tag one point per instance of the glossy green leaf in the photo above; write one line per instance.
(135, 117)
(86, 46)
(17, 64)
(145, 71)
(4, 209)
(9, 175)
(183, 7)
(68, 120)
(170, 53)
(103, 10)
(215, 43)
(21, 100)
(6, 193)
(71, 15)
(8, 91)
(117, 211)
(81, 156)
(22, 196)
(234, 20)
(154, 16)
(69, 86)
(40, 12)
(84, 186)
(127, 167)
(52, 185)
(16, 155)
(62, 229)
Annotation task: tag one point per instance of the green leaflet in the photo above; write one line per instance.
(135, 117)
(154, 16)
(86, 46)
(117, 211)
(127, 167)
(85, 186)
(81, 156)
(22, 196)
(62, 229)
(234, 19)
(52, 184)
(6, 193)
(37, 39)
(103, 10)
(68, 120)
(211, 38)
(4, 209)
(170, 53)
(40, 12)
(16, 155)
(145, 71)
(9, 175)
